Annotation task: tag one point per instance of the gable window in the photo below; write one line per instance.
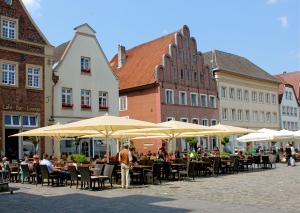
(9, 74)
(8, 29)
(223, 92)
(169, 96)
(194, 99)
(33, 77)
(231, 93)
(239, 94)
(182, 98)
(29, 121)
(224, 114)
(66, 97)
(85, 64)
(123, 103)
(103, 100)
(246, 95)
(203, 100)
(85, 99)
(212, 101)
(254, 96)
(184, 120)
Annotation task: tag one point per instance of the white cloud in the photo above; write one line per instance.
(32, 5)
(284, 22)
(271, 2)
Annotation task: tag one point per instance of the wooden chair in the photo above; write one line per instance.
(45, 175)
(155, 173)
(107, 175)
(188, 172)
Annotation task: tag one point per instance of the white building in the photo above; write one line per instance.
(84, 86)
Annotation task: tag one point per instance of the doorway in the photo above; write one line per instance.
(11, 144)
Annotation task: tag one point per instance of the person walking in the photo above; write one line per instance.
(288, 154)
(125, 159)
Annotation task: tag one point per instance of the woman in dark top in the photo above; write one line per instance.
(288, 154)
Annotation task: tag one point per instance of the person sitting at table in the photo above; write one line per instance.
(64, 157)
(72, 162)
(48, 163)
(25, 160)
(143, 157)
(177, 154)
(149, 154)
(134, 154)
(241, 155)
(161, 155)
(170, 157)
(153, 157)
(5, 164)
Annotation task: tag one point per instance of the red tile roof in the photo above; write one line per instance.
(292, 78)
(139, 68)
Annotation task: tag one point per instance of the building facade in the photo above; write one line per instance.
(83, 86)
(248, 95)
(25, 59)
(166, 79)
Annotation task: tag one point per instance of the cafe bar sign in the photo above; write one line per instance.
(20, 108)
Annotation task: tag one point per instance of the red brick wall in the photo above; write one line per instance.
(22, 101)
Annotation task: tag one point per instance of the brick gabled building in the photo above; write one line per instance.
(25, 60)
(166, 79)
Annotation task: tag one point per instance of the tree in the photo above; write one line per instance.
(35, 143)
(192, 141)
(76, 143)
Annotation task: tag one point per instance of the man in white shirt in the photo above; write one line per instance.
(46, 162)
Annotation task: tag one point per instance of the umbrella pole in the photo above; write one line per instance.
(107, 148)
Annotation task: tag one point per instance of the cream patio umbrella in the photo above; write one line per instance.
(283, 135)
(174, 129)
(51, 131)
(297, 135)
(107, 125)
(261, 135)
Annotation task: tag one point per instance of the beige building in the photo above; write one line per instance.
(83, 86)
(248, 95)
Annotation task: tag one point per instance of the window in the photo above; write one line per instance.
(296, 125)
(254, 96)
(274, 117)
(261, 97)
(255, 115)
(224, 114)
(9, 2)
(66, 97)
(9, 74)
(123, 103)
(290, 96)
(246, 95)
(273, 99)
(170, 119)
(231, 93)
(247, 115)
(239, 94)
(103, 100)
(194, 99)
(288, 110)
(292, 125)
(233, 114)
(212, 101)
(184, 120)
(223, 92)
(283, 110)
(262, 116)
(213, 122)
(288, 125)
(195, 76)
(284, 124)
(29, 121)
(182, 98)
(181, 74)
(286, 95)
(195, 120)
(169, 96)
(240, 115)
(203, 99)
(12, 120)
(204, 122)
(268, 117)
(9, 29)
(85, 99)
(33, 77)
(267, 95)
(295, 112)
(85, 64)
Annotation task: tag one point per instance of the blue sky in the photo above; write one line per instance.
(265, 31)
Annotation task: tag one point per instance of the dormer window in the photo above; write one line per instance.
(85, 65)
(9, 2)
(8, 29)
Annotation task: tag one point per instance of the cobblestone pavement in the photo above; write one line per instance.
(274, 191)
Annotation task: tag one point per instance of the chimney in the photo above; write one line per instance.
(121, 56)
